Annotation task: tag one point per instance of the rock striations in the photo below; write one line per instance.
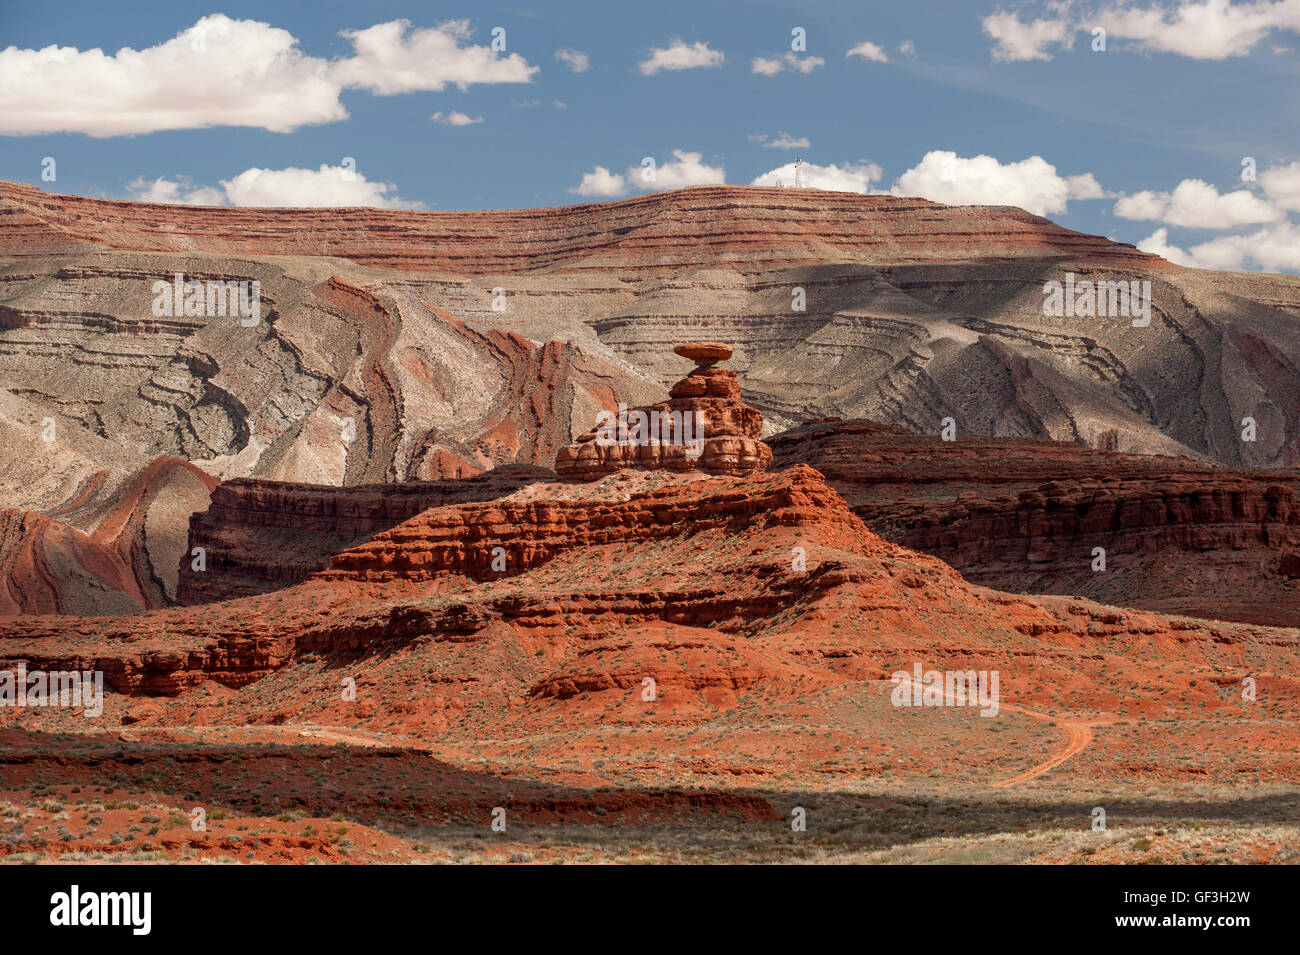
(655, 234)
(258, 536)
(1177, 535)
(401, 347)
(492, 540)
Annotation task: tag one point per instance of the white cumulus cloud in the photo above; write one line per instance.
(1197, 29)
(1018, 40)
(1206, 30)
(1271, 249)
(679, 55)
(1085, 186)
(601, 182)
(327, 186)
(392, 58)
(175, 192)
(226, 72)
(455, 118)
(1196, 204)
(1157, 243)
(684, 169)
(219, 72)
(1032, 184)
(849, 177)
(1282, 185)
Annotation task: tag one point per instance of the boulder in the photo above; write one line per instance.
(704, 353)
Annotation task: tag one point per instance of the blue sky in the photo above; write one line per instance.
(1147, 135)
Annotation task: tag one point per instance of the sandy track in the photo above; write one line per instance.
(1078, 736)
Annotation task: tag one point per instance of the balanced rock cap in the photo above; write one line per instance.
(704, 353)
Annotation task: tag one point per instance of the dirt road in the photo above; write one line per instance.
(1078, 736)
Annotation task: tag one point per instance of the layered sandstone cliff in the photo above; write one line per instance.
(257, 536)
(1176, 535)
(734, 595)
(747, 226)
(491, 540)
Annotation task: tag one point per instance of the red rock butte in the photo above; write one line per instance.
(704, 426)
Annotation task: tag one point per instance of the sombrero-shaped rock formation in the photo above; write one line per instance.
(703, 426)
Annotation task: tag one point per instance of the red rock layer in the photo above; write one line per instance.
(342, 610)
(145, 524)
(723, 226)
(127, 562)
(48, 567)
(258, 535)
(743, 598)
(377, 331)
(465, 540)
(1178, 535)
